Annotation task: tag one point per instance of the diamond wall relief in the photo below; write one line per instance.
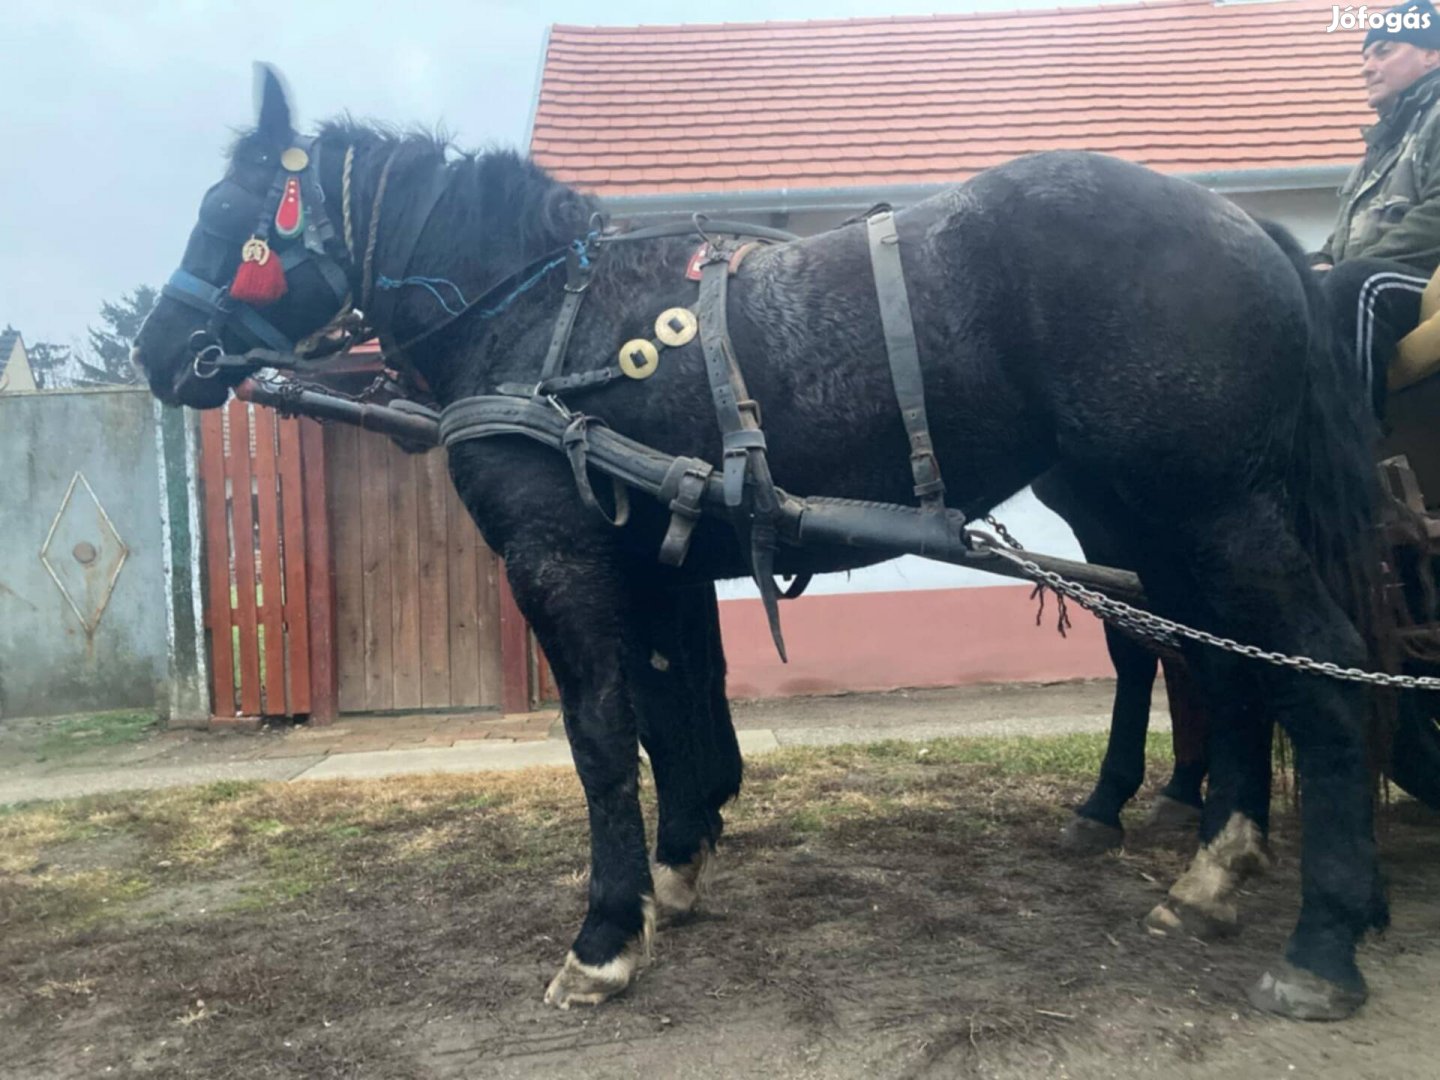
(84, 553)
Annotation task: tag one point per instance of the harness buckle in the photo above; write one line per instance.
(689, 490)
(925, 469)
(684, 489)
(556, 404)
(578, 268)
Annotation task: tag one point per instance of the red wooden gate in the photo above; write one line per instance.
(257, 529)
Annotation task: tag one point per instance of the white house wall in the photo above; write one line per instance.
(1307, 214)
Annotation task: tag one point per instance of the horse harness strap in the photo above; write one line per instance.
(579, 269)
(904, 356)
(576, 444)
(748, 488)
(683, 491)
(577, 280)
(687, 484)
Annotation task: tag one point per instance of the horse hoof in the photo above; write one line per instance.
(578, 983)
(1293, 992)
(1171, 918)
(1168, 813)
(678, 889)
(1086, 836)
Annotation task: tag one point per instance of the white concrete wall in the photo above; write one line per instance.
(51, 660)
(1308, 214)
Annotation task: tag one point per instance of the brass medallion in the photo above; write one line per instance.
(676, 326)
(294, 159)
(639, 359)
(255, 250)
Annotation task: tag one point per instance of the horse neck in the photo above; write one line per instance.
(450, 260)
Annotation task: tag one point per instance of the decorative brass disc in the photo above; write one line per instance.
(639, 358)
(255, 250)
(676, 326)
(294, 159)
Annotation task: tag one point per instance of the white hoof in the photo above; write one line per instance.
(1202, 900)
(578, 983)
(678, 889)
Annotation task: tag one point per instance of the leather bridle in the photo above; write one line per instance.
(229, 214)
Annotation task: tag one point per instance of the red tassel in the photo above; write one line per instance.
(260, 279)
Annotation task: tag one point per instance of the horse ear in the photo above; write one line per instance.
(272, 104)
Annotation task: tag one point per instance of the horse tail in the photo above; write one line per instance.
(1333, 483)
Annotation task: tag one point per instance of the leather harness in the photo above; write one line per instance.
(747, 490)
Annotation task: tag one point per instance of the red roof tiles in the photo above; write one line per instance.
(1182, 86)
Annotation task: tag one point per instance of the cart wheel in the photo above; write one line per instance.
(1415, 752)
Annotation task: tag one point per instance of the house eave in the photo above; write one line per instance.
(784, 200)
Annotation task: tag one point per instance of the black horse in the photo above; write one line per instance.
(1069, 308)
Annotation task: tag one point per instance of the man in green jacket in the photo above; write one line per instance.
(1386, 241)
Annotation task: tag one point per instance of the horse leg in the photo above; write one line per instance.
(678, 687)
(1179, 804)
(1342, 893)
(1096, 825)
(1235, 820)
(1107, 535)
(1260, 585)
(582, 613)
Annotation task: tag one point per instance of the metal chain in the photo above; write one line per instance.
(1062, 617)
(1168, 632)
(1003, 532)
(290, 394)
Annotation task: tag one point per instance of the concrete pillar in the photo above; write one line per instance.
(184, 698)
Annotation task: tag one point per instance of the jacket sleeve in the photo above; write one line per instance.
(1415, 238)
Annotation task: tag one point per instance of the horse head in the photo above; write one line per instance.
(301, 228)
(264, 266)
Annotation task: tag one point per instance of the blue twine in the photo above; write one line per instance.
(428, 284)
(528, 283)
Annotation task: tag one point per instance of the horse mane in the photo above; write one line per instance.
(494, 185)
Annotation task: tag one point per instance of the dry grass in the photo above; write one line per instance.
(69, 865)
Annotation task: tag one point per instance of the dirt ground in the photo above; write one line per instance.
(887, 911)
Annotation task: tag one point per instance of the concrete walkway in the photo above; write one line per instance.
(369, 747)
